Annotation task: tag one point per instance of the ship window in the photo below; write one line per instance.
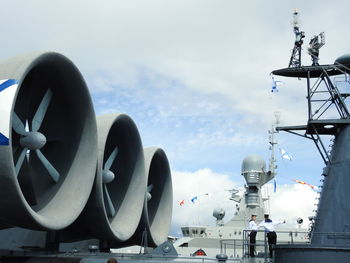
(187, 232)
(202, 232)
(184, 245)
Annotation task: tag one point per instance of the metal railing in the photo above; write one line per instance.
(148, 257)
(240, 247)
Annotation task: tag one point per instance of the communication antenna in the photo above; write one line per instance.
(295, 59)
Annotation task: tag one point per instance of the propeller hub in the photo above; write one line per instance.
(148, 196)
(33, 140)
(107, 176)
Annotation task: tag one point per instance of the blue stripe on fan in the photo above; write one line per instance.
(3, 139)
(8, 83)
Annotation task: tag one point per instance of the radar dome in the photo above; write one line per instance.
(344, 60)
(300, 220)
(253, 163)
(219, 213)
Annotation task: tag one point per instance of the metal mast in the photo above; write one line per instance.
(328, 115)
(273, 142)
(295, 59)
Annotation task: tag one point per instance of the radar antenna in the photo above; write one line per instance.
(234, 195)
(315, 44)
(295, 59)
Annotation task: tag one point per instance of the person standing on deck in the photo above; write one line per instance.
(252, 225)
(269, 227)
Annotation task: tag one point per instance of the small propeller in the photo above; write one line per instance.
(107, 177)
(33, 140)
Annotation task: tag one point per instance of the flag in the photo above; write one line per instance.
(194, 199)
(285, 155)
(274, 185)
(181, 202)
(275, 84)
(313, 187)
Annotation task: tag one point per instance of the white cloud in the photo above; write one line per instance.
(292, 201)
(219, 47)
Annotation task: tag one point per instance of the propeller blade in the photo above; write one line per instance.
(52, 171)
(20, 160)
(18, 125)
(150, 187)
(25, 180)
(110, 207)
(111, 159)
(41, 111)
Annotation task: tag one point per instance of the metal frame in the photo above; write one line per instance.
(322, 97)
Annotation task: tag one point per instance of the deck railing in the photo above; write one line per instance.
(240, 247)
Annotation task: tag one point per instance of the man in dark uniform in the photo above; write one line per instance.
(270, 231)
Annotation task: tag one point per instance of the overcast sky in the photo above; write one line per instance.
(194, 76)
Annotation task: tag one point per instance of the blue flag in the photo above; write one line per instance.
(275, 84)
(194, 199)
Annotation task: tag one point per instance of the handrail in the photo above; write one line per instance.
(244, 243)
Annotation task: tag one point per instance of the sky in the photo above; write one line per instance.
(194, 75)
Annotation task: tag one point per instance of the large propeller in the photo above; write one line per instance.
(107, 177)
(33, 140)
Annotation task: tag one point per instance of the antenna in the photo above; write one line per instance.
(273, 142)
(316, 43)
(295, 59)
(327, 110)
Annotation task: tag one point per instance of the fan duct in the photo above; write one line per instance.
(48, 145)
(114, 209)
(158, 205)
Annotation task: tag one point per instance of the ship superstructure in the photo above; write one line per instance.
(231, 238)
